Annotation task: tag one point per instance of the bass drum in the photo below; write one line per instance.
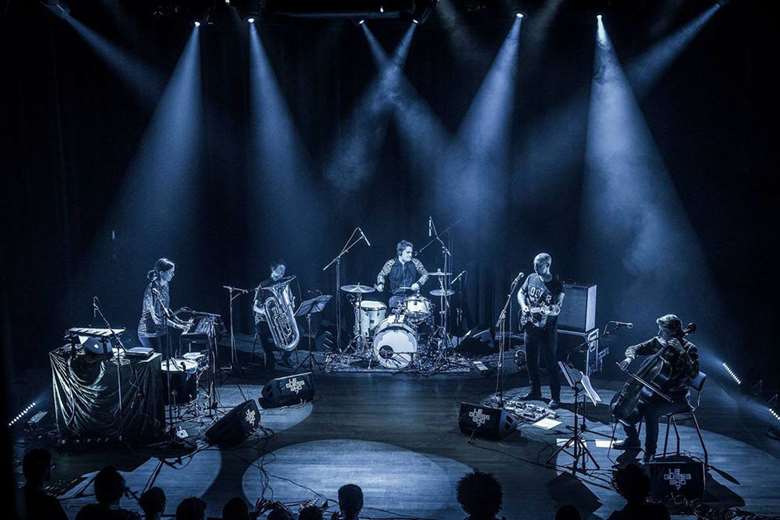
(395, 342)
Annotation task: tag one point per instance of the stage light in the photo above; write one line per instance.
(227, 2)
(21, 414)
(197, 23)
(732, 374)
(381, 9)
(415, 21)
(774, 413)
(361, 21)
(519, 15)
(598, 17)
(250, 20)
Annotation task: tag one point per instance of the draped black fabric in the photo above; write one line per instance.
(86, 396)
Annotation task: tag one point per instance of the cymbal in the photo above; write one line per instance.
(357, 289)
(439, 292)
(437, 272)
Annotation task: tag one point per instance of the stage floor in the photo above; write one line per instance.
(397, 437)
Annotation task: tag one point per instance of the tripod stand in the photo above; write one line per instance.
(580, 452)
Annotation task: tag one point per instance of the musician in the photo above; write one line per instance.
(542, 294)
(683, 358)
(155, 320)
(263, 333)
(405, 274)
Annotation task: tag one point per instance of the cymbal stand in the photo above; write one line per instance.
(350, 243)
(233, 293)
(357, 339)
(444, 299)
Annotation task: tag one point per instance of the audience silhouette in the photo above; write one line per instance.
(152, 503)
(350, 502)
(109, 488)
(191, 508)
(567, 512)
(480, 495)
(34, 502)
(633, 484)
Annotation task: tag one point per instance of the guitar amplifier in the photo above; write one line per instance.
(578, 313)
(676, 476)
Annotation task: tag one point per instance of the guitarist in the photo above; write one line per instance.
(540, 298)
(683, 358)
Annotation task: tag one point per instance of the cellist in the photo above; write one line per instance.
(683, 359)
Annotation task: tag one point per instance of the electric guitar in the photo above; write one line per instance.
(537, 316)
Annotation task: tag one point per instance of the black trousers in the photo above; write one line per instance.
(651, 411)
(543, 342)
(267, 342)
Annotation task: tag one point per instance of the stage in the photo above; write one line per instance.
(397, 437)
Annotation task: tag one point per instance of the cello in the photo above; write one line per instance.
(646, 382)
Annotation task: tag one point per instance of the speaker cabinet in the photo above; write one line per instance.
(483, 421)
(236, 425)
(578, 313)
(288, 390)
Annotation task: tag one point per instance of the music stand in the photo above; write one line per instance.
(307, 308)
(578, 382)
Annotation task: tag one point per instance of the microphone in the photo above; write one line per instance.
(517, 279)
(626, 324)
(364, 237)
(430, 227)
(94, 307)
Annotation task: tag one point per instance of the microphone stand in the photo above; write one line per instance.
(115, 337)
(501, 327)
(231, 299)
(350, 243)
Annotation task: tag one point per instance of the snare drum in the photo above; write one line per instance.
(417, 308)
(395, 342)
(184, 380)
(371, 314)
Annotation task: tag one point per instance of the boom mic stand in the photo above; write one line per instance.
(350, 243)
(98, 311)
(501, 326)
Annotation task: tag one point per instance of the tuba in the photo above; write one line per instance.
(280, 315)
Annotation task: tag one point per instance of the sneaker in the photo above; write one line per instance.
(553, 404)
(626, 444)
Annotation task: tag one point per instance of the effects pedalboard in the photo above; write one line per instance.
(528, 412)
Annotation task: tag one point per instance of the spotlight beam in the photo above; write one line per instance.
(633, 223)
(479, 153)
(645, 71)
(353, 156)
(145, 82)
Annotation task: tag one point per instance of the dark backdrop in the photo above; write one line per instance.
(71, 129)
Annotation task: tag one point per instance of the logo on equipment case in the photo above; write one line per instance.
(478, 417)
(250, 417)
(295, 385)
(677, 479)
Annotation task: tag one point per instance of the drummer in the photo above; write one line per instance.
(405, 274)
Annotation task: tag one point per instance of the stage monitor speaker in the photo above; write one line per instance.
(483, 421)
(578, 312)
(236, 425)
(476, 343)
(287, 390)
(677, 476)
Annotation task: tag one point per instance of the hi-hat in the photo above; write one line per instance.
(439, 292)
(357, 289)
(439, 273)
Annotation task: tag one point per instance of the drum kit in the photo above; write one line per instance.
(184, 374)
(405, 337)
